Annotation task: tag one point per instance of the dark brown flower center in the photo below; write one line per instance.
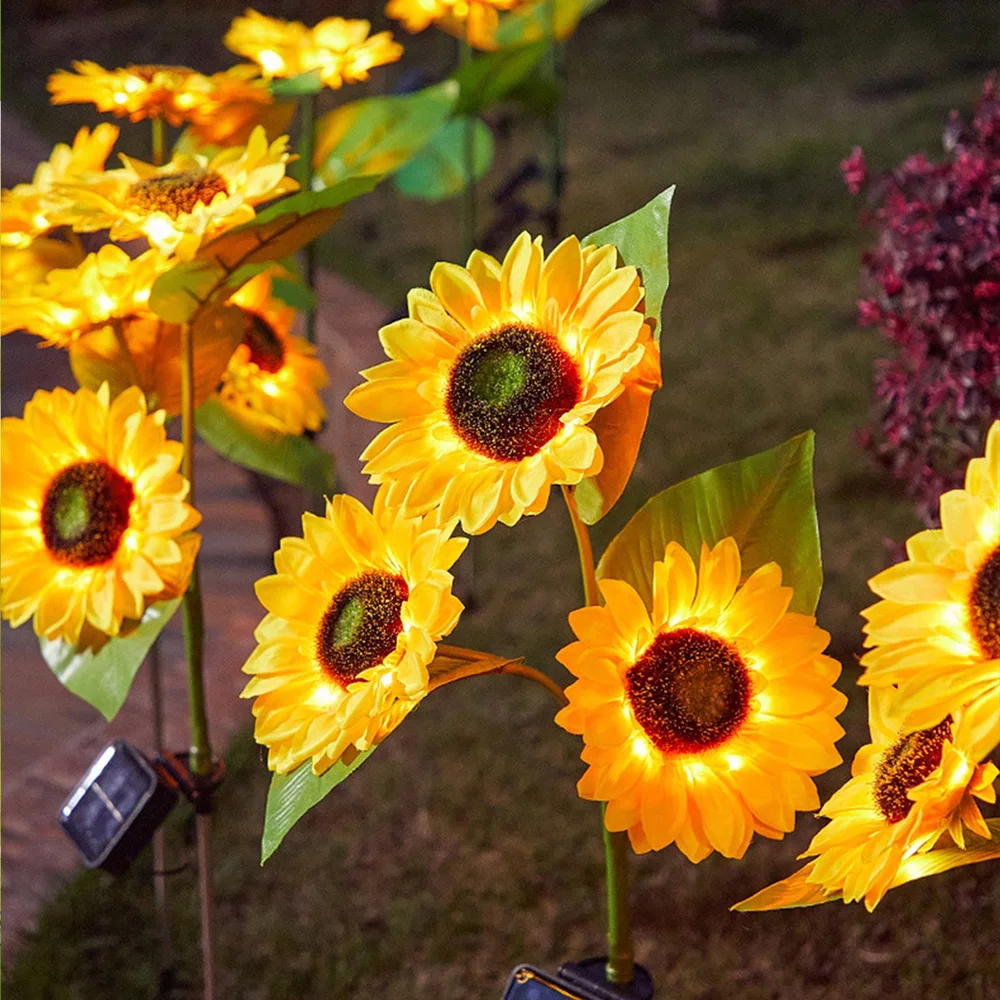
(85, 513)
(177, 193)
(907, 763)
(508, 389)
(689, 691)
(267, 351)
(361, 625)
(984, 606)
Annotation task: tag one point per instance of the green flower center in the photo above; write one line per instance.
(360, 626)
(689, 691)
(906, 764)
(85, 513)
(267, 351)
(508, 389)
(175, 194)
(984, 606)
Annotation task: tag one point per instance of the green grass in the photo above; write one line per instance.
(460, 848)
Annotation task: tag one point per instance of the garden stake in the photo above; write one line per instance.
(468, 160)
(307, 140)
(620, 953)
(194, 641)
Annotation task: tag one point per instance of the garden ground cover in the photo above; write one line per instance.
(460, 847)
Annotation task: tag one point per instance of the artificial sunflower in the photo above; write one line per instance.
(176, 93)
(495, 376)
(66, 303)
(29, 210)
(273, 378)
(189, 200)
(474, 20)
(339, 50)
(705, 718)
(906, 791)
(936, 633)
(94, 525)
(22, 268)
(354, 614)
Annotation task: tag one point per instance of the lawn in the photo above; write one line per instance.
(461, 848)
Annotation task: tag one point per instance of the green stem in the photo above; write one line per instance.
(307, 143)
(557, 74)
(468, 161)
(159, 141)
(477, 668)
(620, 962)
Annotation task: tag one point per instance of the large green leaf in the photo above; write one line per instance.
(641, 239)
(297, 86)
(293, 292)
(490, 78)
(765, 502)
(104, 675)
(291, 796)
(222, 265)
(291, 458)
(438, 170)
(377, 135)
(532, 22)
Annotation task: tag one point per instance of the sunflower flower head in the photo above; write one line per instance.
(189, 200)
(29, 210)
(495, 376)
(95, 526)
(273, 378)
(474, 20)
(355, 610)
(936, 632)
(705, 717)
(906, 791)
(69, 302)
(340, 50)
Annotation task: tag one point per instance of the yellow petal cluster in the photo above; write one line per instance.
(28, 210)
(355, 610)
(474, 20)
(936, 632)
(339, 50)
(94, 526)
(190, 200)
(704, 717)
(273, 378)
(495, 376)
(69, 302)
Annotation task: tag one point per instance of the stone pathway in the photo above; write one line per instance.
(49, 736)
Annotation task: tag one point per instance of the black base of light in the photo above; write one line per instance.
(584, 980)
(591, 974)
(115, 809)
(198, 789)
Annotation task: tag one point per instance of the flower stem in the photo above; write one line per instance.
(307, 143)
(468, 159)
(557, 75)
(620, 961)
(159, 141)
(200, 760)
(480, 667)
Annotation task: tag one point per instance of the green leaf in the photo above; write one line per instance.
(765, 502)
(297, 86)
(438, 170)
(295, 293)
(490, 78)
(289, 457)
(102, 676)
(377, 135)
(231, 259)
(787, 894)
(535, 21)
(641, 239)
(291, 796)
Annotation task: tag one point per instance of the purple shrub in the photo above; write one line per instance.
(933, 280)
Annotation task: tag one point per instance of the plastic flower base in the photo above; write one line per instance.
(586, 980)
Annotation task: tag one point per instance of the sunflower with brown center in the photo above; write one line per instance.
(339, 50)
(936, 633)
(355, 610)
(188, 201)
(29, 210)
(474, 20)
(906, 791)
(273, 379)
(705, 718)
(495, 376)
(95, 526)
(175, 93)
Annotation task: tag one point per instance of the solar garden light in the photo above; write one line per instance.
(585, 980)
